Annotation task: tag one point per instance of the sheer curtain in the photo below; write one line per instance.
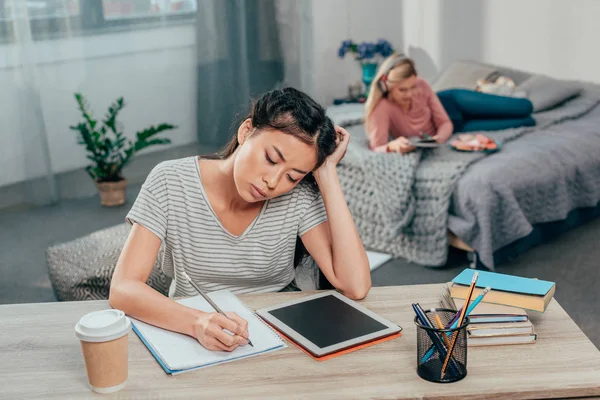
(244, 48)
(195, 64)
(142, 50)
(24, 151)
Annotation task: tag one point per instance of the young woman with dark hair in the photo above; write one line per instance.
(238, 220)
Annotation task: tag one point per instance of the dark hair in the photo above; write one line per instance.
(294, 113)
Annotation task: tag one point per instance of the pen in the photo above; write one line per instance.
(209, 300)
(454, 323)
(438, 321)
(460, 321)
(477, 300)
(434, 337)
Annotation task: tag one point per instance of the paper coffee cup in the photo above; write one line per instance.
(103, 336)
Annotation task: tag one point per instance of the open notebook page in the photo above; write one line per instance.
(180, 352)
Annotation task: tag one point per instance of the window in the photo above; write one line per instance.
(131, 9)
(55, 18)
(39, 9)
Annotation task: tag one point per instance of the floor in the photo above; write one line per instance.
(572, 261)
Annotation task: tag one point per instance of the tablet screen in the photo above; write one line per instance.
(327, 320)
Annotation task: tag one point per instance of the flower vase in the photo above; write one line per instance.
(369, 69)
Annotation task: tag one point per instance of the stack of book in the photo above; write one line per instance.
(501, 317)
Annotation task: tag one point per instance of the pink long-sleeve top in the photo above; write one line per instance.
(426, 114)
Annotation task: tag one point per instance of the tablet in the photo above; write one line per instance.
(327, 322)
(420, 142)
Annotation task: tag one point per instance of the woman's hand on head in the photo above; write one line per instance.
(341, 145)
(209, 329)
(400, 145)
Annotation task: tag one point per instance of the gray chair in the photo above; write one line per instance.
(82, 269)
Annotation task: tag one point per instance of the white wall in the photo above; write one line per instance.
(554, 37)
(337, 20)
(153, 69)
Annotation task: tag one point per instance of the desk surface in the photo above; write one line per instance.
(40, 357)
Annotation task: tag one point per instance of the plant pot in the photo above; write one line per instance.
(112, 193)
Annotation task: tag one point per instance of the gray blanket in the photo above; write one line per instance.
(539, 178)
(400, 203)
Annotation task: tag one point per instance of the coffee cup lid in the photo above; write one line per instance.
(102, 326)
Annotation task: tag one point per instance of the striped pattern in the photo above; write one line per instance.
(173, 205)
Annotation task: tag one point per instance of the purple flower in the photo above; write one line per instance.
(384, 47)
(344, 48)
(362, 50)
(365, 50)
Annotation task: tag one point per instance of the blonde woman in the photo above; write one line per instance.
(401, 105)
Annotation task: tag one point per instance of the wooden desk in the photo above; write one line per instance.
(40, 357)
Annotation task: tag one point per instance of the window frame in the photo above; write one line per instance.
(91, 21)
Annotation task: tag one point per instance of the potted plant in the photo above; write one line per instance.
(368, 54)
(110, 150)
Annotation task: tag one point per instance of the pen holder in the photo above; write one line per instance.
(430, 368)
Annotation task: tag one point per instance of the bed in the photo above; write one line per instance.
(540, 178)
(544, 181)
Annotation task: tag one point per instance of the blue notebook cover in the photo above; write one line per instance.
(507, 283)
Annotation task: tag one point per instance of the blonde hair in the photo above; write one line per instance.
(405, 68)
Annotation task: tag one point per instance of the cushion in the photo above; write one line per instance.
(545, 92)
(461, 75)
(464, 74)
(82, 269)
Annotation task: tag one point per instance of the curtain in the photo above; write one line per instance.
(194, 64)
(141, 50)
(24, 151)
(244, 48)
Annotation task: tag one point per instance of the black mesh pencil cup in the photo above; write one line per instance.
(433, 345)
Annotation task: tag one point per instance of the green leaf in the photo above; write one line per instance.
(153, 130)
(147, 143)
(111, 117)
(84, 108)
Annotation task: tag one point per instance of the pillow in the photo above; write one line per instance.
(462, 75)
(82, 268)
(545, 92)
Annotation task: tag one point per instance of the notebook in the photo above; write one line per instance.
(177, 353)
(504, 340)
(506, 283)
(527, 293)
(500, 329)
(485, 313)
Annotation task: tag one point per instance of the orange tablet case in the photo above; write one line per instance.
(341, 352)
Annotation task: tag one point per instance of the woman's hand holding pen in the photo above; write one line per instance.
(209, 329)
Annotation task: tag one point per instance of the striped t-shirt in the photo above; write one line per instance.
(173, 205)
